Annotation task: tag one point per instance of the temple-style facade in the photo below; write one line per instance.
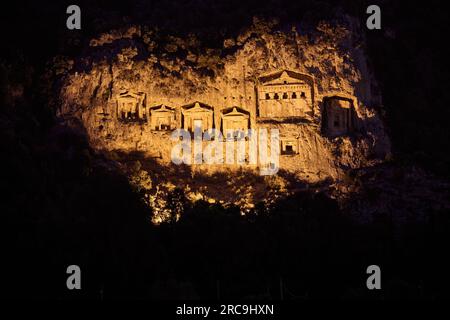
(162, 118)
(285, 94)
(234, 120)
(337, 116)
(197, 116)
(131, 106)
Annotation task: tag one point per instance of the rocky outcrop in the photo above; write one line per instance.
(176, 72)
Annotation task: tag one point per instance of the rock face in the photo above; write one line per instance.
(132, 88)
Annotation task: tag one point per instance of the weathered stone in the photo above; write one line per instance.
(316, 89)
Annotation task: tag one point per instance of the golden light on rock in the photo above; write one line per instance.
(314, 89)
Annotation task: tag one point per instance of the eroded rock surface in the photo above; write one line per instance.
(132, 88)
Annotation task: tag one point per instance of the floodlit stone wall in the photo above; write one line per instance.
(299, 84)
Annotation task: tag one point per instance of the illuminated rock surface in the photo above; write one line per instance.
(315, 88)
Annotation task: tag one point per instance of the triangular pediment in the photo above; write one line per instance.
(162, 109)
(127, 95)
(285, 77)
(197, 108)
(235, 112)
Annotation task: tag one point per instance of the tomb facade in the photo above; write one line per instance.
(289, 146)
(285, 94)
(197, 115)
(162, 118)
(131, 106)
(236, 120)
(337, 116)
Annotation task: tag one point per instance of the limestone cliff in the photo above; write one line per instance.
(177, 72)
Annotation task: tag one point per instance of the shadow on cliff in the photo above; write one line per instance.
(61, 206)
(227, 185)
